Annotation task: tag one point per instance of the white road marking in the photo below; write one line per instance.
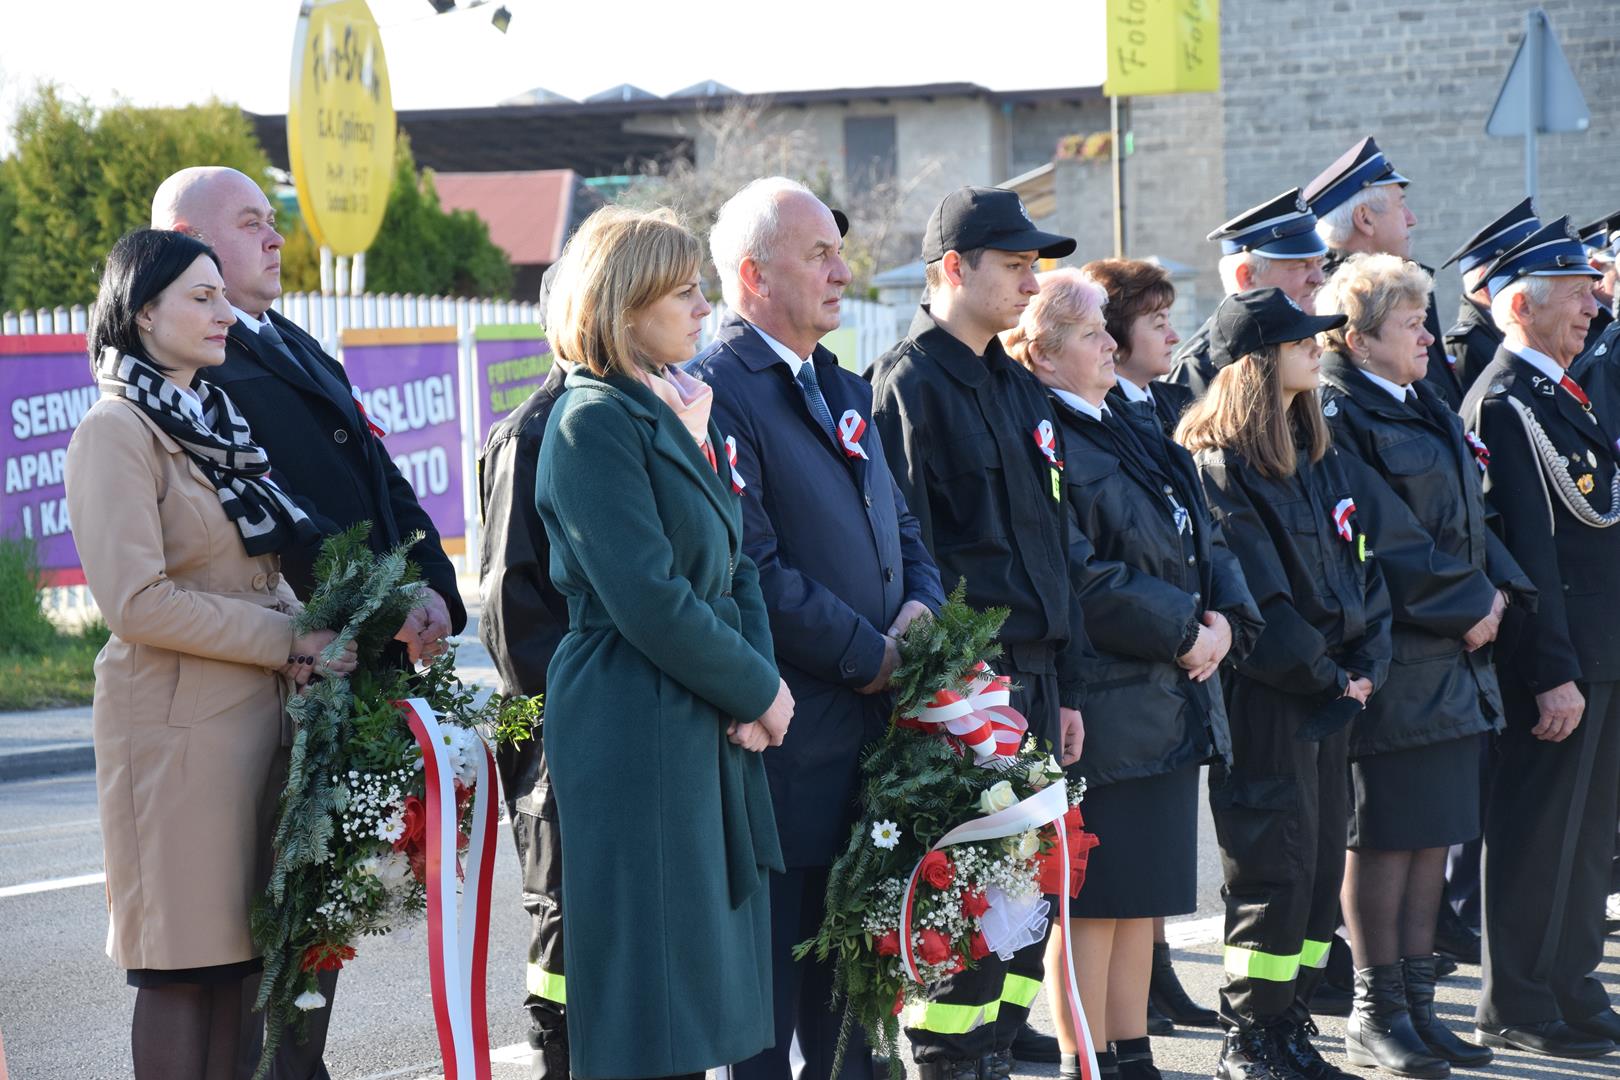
(51, 885)
(1192, 932)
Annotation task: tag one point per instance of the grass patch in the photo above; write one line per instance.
(41, 667)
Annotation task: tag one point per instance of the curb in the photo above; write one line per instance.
(47, 761)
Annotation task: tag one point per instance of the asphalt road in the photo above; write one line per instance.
(65, 1009)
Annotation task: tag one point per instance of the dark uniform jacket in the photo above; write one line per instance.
(960, 432)
(1544, 496)
(838, 554)
(1441, 562)
(1159, 562)
(1326, 608)
(324, 455)
(1190, 368)
(1600, 323)
(1473, 340)
(1598, 371)
(523, 616)
(1170, 400)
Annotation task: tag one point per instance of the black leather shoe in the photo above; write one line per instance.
(1554, 1038)
(1420, 976)
(1157, 1022)
(1293, 1038)
(949, 1069)
(1379, 1032)
(1603, 1025)
(1455, 939)
(996, 1065)
(1135, 1057)
(1331, 999)
(1253, 1054)
(1443, 966)
(1032, 1047)
(1166, 994)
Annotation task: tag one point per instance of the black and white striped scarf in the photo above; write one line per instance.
(221, 446)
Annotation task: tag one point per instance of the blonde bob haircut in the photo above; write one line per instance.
(1366, 289)
(618, 264)
(1243, 412)
(1067, 297)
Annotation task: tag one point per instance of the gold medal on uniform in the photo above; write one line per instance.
(1585, 483)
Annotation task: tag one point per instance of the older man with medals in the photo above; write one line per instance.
(1553, 477)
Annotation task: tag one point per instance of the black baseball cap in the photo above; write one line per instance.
(1246, 322)
(976, 217)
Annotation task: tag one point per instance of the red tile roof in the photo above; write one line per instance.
(527, 212)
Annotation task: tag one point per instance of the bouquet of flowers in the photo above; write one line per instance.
(388, 782)
(958, 838)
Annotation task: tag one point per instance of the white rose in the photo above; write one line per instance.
(1029, 845)
(997, 796)
(308, 1000)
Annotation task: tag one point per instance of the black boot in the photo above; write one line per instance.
(548, 1043)
(1034, 1047)
(1420, 976)
(996, 1065)
(1107, 1066)
(1292, 1034)
(1165, 993)
(1455, 939)
(1157, 1022)
(1252, 1054)
(950, 1069)
(1379, 1032)
(1135, 1057)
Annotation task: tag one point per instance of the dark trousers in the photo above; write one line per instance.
(978, 1011)
(1549, 837)
(294, 1059)
(801, 991)
(526, 781)
(1281, 813)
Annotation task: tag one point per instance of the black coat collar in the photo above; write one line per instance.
(948, 350)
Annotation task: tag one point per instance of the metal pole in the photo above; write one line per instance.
(1534, 26)
(1118, 142)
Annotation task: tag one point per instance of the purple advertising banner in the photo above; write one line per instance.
(47, 388)
(509, 364)
(410, 382)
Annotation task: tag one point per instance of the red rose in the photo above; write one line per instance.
(899, 1000)
(957, 964)
(888, 944)
(938, 870)
(415, 825)
(326, 957)
(974, 904)
(934, 948)
(981, 947)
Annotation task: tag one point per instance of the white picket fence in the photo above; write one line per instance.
(876, 328)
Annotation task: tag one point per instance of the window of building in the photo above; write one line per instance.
(869, 152)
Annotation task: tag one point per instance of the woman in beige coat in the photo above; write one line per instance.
(178, 525)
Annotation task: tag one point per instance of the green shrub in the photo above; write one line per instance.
(23, 625)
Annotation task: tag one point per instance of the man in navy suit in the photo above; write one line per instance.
(322, 451)
(841, 563)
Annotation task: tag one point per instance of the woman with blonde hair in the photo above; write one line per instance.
(1166, 606)
(1284, 499)
(1416, 752)
(664, 690)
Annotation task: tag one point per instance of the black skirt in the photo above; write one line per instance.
(1425, 797)
(213, 975)
(1145, 863)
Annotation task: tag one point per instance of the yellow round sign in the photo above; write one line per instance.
(340, 124)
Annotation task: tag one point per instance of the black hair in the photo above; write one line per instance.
(140, 266)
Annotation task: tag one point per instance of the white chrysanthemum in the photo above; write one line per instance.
(885, 834)
(391, 828)
(308, 1000)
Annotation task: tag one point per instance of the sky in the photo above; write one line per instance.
(174, 52)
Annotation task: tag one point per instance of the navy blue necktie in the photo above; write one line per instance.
(812, 395)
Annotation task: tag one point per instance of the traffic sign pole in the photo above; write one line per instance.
(1534, 26)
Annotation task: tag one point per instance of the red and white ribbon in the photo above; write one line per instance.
(458, 942)
(1482, 453)
(1342, 513)
(377, 429)
(980, 719)
(737, 484)
(1045, 807)
(850, 429)
(1046, 439)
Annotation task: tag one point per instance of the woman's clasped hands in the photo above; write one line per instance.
(305, 660)
(770, 728)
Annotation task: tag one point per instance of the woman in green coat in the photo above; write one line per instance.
(664, 691)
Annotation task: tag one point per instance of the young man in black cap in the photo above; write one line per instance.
(1360, 205)
(1473, 341)
(1553, 476)
(1599, 239)
(1274, 244)
(972, 441)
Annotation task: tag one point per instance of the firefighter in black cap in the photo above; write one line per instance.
(1283, 497)
(1474, 339)
(973, 442)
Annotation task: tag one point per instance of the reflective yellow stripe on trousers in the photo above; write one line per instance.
(947, 1019)
(548, 984)
(1314, 954)
(1254, 964)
